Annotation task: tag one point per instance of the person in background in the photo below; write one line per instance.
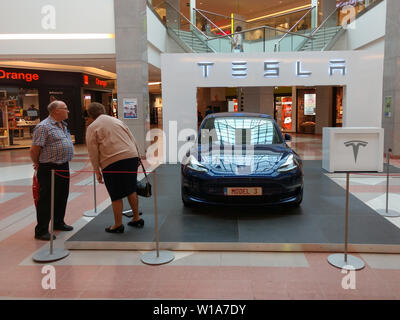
(34, 114)
(113, 148)
(52, 148)
(237, 40)
(209, 110)
(199, 117)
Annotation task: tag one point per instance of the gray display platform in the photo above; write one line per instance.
(318, 225)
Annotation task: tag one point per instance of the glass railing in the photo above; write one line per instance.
(261, 39)
(297, 34)
(219, 24)
(286, 32)
(181, 26)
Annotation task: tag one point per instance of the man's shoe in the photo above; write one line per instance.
(45, 237)
(64, 227)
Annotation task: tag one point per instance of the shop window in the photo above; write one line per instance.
(306, 106)
(284, 113)
(19, 114)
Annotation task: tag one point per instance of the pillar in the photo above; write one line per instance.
(391, 78)
(132, 65)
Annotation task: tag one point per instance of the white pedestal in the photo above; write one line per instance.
(352, 149)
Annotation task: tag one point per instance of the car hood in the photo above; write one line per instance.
(265, 160)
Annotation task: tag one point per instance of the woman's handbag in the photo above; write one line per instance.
(143, 187)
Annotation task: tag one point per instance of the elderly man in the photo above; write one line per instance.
(52, 148)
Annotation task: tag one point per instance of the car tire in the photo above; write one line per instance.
(298, 202)
(186, 203)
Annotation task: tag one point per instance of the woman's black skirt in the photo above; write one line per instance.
(120, 185)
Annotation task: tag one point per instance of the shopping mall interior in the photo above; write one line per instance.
(316, 70)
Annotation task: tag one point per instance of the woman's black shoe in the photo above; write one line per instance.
(120, 229)
(137, 224)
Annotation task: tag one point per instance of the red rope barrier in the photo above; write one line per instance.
(106, 171)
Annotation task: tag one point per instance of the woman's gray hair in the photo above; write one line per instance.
(54, 105)
(95, 109)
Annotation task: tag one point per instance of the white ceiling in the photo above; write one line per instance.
(105, 65)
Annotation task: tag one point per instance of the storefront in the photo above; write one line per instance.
(25, 95)
(295, 109)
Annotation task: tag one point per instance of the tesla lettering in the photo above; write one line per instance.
(272, 68)
(337, 65)
(301, 73)
(239, 69)
(205, 67)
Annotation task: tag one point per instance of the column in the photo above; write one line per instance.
(131, 64)
(323, 117)
(192, 12)
(391, 79)
(172, 8)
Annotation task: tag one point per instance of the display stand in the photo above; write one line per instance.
(54, 253)
(93, 213)
(157, 257)
(345, 261)
(389, 213)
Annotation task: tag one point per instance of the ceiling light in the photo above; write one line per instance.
(154, 83)
(55, 36)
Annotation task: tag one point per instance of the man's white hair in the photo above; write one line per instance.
(55, 104)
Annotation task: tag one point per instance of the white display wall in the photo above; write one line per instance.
(182, 74)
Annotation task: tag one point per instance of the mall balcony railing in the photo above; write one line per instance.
(324, 36)
(181, 28)
(256, 39)
(211, 32)
(294, 38)
(282, 21)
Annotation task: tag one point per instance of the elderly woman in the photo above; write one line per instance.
(112, 148)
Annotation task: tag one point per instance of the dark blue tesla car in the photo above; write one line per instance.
(241, 158)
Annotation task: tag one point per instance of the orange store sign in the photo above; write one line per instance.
(101, 83)
(28, 77)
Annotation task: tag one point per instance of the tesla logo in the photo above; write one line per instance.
(356, 146)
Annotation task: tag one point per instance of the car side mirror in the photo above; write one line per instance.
(288, 137)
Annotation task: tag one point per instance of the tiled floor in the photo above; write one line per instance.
(192, 275)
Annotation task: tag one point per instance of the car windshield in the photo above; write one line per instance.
(239, 130)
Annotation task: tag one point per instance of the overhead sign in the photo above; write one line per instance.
(94, 82)
(272, 68)
(26, 76)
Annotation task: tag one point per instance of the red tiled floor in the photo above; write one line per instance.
(318, 281)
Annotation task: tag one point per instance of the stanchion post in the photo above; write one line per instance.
(158, 257)
(346, 233)
(155, 212)
(386, 212)
(387, 179)
(91, 213)
(52, 211)
(94, 190)
(345, 261)
(53, 254)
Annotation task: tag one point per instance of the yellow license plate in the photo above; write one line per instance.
(254, 191)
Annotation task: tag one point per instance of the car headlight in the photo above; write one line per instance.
(289, 165)
(195, 165)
